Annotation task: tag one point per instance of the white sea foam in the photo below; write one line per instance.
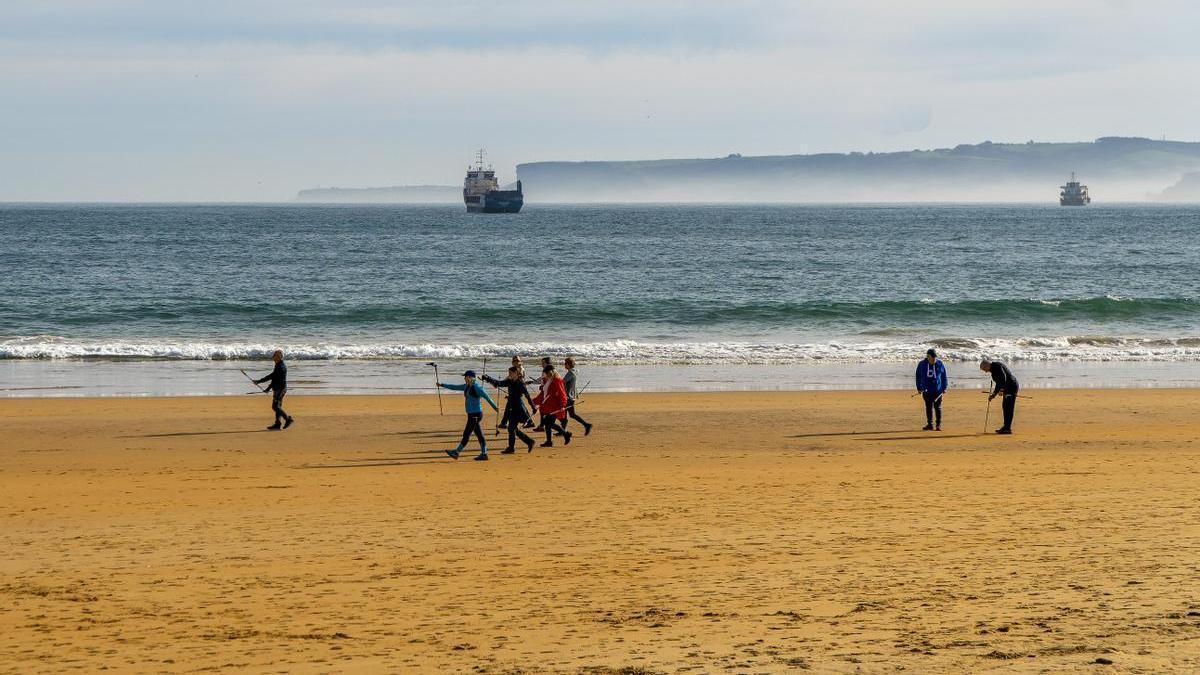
(1061, 348)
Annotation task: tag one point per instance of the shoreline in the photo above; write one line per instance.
(138, 379)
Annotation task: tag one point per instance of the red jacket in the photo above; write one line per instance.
(552, 399)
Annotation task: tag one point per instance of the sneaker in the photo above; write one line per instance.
(938, 427)
(481, 457)
(567, 437)
(547, 444)
(453, 454)
(927, 427)
(508, 451)
(587, 429)
(288, 422)
(1004, 431)
(274, 427)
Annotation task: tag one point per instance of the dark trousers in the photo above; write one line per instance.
(572, 416)
(933, 403)
(277, 405)
(513, 424)
(473, 420)
(1009, 403)
(550, 425)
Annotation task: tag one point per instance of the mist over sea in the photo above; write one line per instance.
(662, 289)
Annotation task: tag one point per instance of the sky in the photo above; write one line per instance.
(223, 100)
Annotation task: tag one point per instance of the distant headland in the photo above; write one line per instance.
(1116, 169)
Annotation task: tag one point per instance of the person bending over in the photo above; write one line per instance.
(1006, 386)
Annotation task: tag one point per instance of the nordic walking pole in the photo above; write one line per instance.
(260, 389)
(986, 415)
(438, 382)
(497, 391)
(578, 399)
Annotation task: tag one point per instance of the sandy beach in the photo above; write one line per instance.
(699, 532)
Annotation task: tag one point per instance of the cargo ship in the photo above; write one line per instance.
(1073, 194)
(482, 193)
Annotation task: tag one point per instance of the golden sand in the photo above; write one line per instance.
(689, 533)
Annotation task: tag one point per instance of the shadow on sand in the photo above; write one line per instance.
(395, 461)
(197, 433)
(849, 433)
(927, 435)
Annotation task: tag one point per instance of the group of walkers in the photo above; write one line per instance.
(557, 396)
(932, 383)
(555, 402)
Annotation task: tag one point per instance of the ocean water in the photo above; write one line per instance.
(720, 288)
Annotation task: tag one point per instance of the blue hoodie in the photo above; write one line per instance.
(474, 396)
(932, 377)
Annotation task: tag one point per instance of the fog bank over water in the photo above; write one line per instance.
(1115, 168)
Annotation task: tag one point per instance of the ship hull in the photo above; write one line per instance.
(495, 201)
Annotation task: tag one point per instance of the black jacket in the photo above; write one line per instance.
(278, 378)
(1004, 379)
(516, 390)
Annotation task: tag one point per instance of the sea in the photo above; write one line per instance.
(149, 299)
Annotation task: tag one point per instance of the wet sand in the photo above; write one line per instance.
(719, 532)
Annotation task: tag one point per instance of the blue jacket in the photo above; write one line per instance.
(932, 378)
(474, 396)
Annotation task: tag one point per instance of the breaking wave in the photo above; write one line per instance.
(1065, 348)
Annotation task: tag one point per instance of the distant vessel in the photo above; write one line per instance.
(1074, 194)
(482, 193)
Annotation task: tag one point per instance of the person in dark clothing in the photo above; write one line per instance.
(278, 389)
(473, 397)
(1007, 386)
(520, 375)
(515, 413)
(570, 381)
(932, 383)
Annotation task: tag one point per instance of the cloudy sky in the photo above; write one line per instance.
(251, 100)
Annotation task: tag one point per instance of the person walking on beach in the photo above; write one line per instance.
(932, 383)
(569, 382)
(1007, 386)
(552, 401)
(278, 389)
(546, 363)
(514, 408)
(474, 394)
(525, 414)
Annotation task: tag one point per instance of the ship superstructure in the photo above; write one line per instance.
(1073, 194)
(482, 193)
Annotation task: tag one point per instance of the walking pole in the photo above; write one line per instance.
(497, 392)
(260, 389)
(437, 381)
(986, 415)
